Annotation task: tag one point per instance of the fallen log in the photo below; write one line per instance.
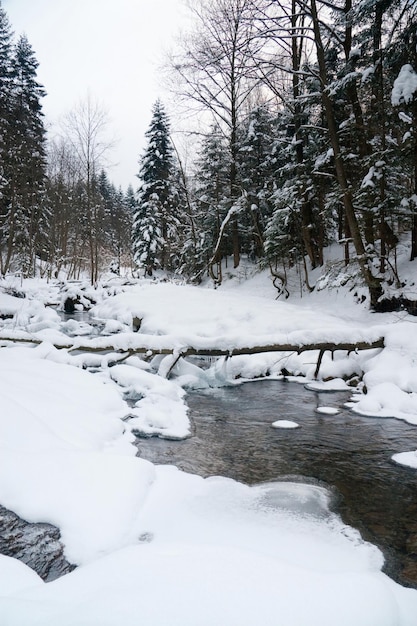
(214, 351)
(326, 347)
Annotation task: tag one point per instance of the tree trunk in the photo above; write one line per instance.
(414, 115)
(310, 245)
(372, 283)
(233, 184)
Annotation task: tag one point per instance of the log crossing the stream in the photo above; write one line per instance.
(152, 345)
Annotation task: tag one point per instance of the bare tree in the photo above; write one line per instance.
(216, 70)
(86, 127)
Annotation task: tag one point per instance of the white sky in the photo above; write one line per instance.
(110, 49)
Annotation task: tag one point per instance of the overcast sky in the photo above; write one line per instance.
(108, 48)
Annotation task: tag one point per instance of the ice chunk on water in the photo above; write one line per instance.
(297, 498)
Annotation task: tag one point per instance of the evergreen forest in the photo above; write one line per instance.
(307, 139)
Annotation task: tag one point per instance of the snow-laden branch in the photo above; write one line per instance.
(405, 86)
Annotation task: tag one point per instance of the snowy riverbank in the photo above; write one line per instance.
(153, 542)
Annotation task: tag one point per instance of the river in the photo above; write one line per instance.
(233, 437)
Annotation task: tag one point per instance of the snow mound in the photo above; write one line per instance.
(327, 410)
(285, 424)
(160, 409)
(406, 458)
(337, 384)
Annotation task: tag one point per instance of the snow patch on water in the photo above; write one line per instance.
(285, 424)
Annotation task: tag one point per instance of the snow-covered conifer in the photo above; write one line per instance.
(28, 160)
(257, 173)
(212, 197)
(155, 221)
(5, 121)
(23, 210)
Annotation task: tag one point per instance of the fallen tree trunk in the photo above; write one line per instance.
(331, 347)
(214, 351)
(207, 351)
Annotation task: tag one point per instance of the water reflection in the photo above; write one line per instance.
(233, 437)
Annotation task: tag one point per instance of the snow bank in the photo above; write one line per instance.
(203, 317)
(160, 409)
(215, 551)
(336, 384)
(391, 376)
(93, 498)
(9, 304)
(65, 456)
(15, 576)
(56, 406)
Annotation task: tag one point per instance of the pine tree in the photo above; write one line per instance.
(293, 232)
(28, 160)
(130, 200)
(23, 212)
(117, 222)
(212, 200)
(156, 223)
(6, 84)
(257, 174)
(401, 56)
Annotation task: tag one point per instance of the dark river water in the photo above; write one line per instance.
(233, 437)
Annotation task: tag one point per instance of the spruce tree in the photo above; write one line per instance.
(23, 216)
(6, 83)
(257, 174)
(212, 200)
(130, 200)
(117, 223)
(155, 225)
(28, 160)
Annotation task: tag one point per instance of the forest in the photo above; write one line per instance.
(307, 137)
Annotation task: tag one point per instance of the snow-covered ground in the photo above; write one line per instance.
(155, 544)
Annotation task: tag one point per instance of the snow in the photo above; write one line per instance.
(367, 181)
(405, 86)
(161, 411)
(60, 428)
(336, 384)
(9, 304)
(157, 544)
(215, 551)
(15, 576)
(285, 424)
(38, 400)
(367, 72)
(327, 410)
(192, 316)
(406, 458)
(84, 494)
